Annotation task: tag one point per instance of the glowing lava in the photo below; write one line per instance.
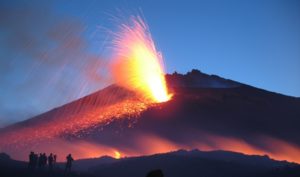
(117, 154)
(138, 66)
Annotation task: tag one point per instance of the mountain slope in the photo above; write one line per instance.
(206, 112)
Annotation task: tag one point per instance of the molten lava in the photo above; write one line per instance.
(117, 154)
(137, 65)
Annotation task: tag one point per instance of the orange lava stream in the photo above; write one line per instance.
(72, 124)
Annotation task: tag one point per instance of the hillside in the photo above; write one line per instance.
(234, 117)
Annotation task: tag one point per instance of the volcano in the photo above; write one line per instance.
(206, 112)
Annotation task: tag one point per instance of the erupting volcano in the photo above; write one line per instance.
(138, 115)
(138, 72)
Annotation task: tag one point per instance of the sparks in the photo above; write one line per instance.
(138, 65)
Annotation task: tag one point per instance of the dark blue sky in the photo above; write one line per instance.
(256, 42)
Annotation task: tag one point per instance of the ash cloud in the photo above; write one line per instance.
(45, 61)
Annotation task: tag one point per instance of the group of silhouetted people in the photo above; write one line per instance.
(42, 160)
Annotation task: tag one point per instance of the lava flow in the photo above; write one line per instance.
(138, 66)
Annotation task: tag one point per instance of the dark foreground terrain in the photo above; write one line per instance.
(174, 164)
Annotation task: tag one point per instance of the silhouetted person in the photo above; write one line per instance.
(44, 160)
(69, 159)
(54, 160)
(40, 160)
(155, 173)
(50, 162)
(35, 161)
(31, 161)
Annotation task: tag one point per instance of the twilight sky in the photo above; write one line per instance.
(54, 52)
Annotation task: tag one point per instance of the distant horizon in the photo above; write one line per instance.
(173, 151)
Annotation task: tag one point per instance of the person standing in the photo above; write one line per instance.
(54, 160)
(44, 160)
(31, 161)
(69, 159)
(40, 160)
(35, 161)
(50, 162)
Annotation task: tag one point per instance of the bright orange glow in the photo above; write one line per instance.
(138, 66)
(117, 154)
(152, 144)
(280, 150)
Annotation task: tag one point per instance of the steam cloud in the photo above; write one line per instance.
(45, 61)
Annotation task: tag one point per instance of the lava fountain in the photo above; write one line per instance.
(137, 65)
